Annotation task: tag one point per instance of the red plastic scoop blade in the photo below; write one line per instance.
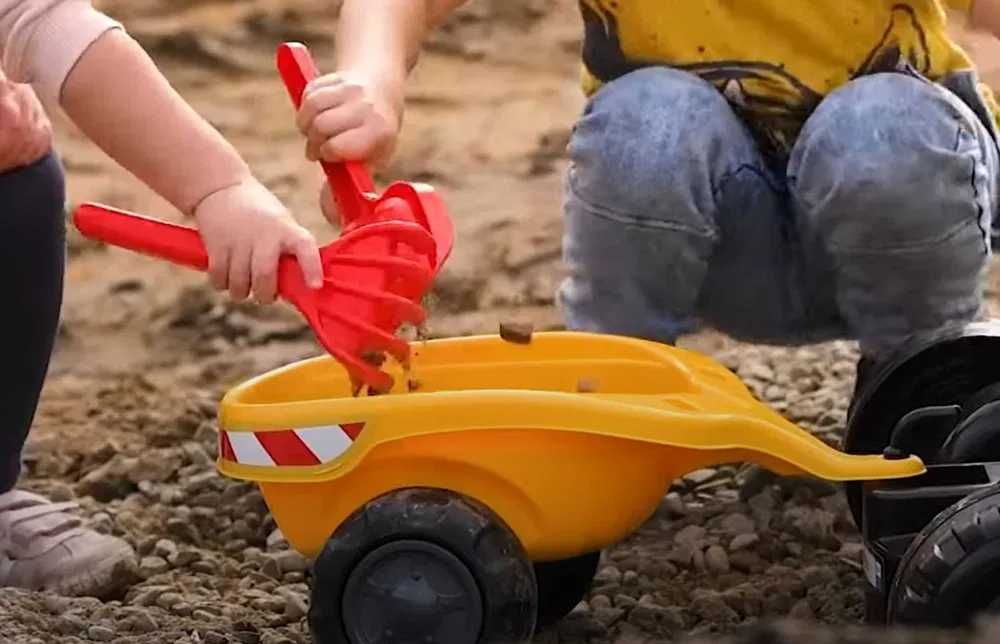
(338, 315)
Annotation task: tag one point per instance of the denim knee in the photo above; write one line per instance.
(649, 147)
(893, 162)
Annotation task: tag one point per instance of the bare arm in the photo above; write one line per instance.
(381, 39)
(180, 156)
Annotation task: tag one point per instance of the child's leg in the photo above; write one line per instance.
(32, 255)
(895, 180)
(43, 545)
(667, 195)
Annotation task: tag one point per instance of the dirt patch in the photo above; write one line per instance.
(127, 424)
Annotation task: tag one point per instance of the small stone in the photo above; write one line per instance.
(712, 608)
(293, 577)
(625, 601)
(101, 522)
(630, 578)
(716, 559)
(70, 625)
(652, 617)
(152, 566)
(674, 505)
(608, 575)
(742, 541)
(182, 609)
(167, 601)
(295, 604)
(203, 615)
(755, 370)
(699, 477)
(516, 333)
(142, 622)
(205, 566)
(608, 616)
(290, 561)
(211, 637)
(183, 558)
(736, 524)
(818, 576)
(100, 633)
(600, 601)
(691, 535)
(165, 548)
(276, 541)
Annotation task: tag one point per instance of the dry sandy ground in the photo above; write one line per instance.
(126, 424)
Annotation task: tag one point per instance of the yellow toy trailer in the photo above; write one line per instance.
(468, 504)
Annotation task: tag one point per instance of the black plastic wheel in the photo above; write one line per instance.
(427, 566)
(563, 584)
(949, 369)
(949, 574)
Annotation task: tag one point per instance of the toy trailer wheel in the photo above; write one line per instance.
(562, 585)
(427, 566)
(949, 573)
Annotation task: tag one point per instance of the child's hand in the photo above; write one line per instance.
(246, 229)
(348, 119)
(25, 131)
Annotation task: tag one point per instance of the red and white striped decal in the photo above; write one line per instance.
(288, 447)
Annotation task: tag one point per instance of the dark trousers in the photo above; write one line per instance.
(32, 263)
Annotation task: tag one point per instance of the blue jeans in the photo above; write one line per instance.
(876, 228)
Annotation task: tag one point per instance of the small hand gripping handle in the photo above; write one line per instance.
(350, 180)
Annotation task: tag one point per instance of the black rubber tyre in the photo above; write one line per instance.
(427, 566)
(562, 585)
(949, 369)
(951, 571)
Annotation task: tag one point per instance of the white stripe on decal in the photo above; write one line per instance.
(327, 443)
(248, 449)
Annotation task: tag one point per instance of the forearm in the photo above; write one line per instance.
(382, 38)
(144, 124)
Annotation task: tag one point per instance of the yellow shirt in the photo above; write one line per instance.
(774, 60)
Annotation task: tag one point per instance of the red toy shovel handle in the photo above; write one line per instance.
(178, 244)
(350, 180)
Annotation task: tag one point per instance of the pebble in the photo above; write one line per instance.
(742, 541)
(608, 575)
(691, 535)
(165, 548)
(295, 607)
(716, 559)
(737, 524)
(699, 477)
(651, 616)
(674, 505)
(289, 561)
(100, 633)
(167, 601)
(630, 578)
(142, 622)
(151, 566)
(711, 607)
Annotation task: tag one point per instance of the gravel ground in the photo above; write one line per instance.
(127, 422)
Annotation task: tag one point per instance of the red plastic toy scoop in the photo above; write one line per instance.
(340, 313)
(391, 247)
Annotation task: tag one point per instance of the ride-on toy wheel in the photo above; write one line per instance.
(423, 565)
(562, 585)
(957, 368)
(949, 573)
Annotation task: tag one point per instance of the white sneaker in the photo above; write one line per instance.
(44, 547)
